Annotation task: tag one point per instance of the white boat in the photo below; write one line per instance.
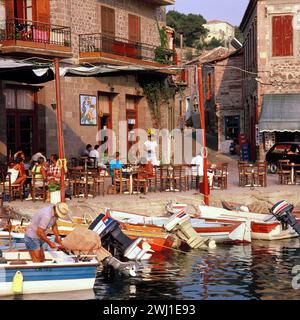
(60, 272)
(263, 226)
(218, 230)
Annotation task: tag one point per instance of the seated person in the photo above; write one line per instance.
(96, 156)
(115, 164)
(39, 172)
(19, 166)
(40, 154)
(87, 150)
(54, 171)
(19, 153)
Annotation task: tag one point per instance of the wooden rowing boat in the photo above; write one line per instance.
(60, 272)
(155, 236)
(263, 226)
(219, 230)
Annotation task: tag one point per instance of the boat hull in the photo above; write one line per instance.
(261, 226)
(61, 275)
(219, 230)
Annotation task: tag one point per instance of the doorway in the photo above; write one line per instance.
(132, 119)
(21, 126)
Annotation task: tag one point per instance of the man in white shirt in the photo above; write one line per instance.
(96, 156)
(150, 148)
(197, 170)
(40, 154)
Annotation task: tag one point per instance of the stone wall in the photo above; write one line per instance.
(229, 94)
(84, 17)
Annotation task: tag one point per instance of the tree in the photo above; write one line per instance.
(239, 35)
(190, 26)
(214, 43)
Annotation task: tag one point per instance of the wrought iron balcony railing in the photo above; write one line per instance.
(92, 43)
(32, 31)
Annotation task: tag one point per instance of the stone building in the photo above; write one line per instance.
(221, 30)
(222, 95)
(271, 84)
(121, 35)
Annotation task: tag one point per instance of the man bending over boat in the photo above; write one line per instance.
(37, 231)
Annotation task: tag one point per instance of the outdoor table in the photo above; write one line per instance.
(130, 173)
(292, 167)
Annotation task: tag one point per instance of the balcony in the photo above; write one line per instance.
(24, 38)
(99, 48)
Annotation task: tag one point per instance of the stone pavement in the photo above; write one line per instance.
(154, 203)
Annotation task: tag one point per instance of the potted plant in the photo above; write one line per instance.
(54, 189)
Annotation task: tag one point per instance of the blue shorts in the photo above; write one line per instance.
(33, 243)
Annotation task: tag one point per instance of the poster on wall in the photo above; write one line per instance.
(270, 140)
(88, 110)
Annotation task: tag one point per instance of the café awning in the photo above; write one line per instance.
(280, 112)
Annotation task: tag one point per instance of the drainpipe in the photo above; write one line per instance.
(202, 121)
(60, 135)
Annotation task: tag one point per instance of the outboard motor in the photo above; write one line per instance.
(283, 211)
(180, 223)
(113, 237)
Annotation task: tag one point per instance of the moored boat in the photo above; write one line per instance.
(263, 226)
(60, 272)
(219, 230)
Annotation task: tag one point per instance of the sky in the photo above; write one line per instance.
(231, 11)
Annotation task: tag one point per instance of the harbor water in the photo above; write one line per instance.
(260, 271)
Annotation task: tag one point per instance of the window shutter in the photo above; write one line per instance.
(287, 35)
(10, 10)
(41, 11)
(108, 21)
(277, 42)
(134, 28)
(20, 9)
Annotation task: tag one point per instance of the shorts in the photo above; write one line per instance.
(33, 243)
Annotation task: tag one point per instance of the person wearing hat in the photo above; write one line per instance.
(150, 147)
(37, 231)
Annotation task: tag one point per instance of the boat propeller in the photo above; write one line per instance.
(283, 212)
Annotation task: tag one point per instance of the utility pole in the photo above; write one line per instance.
(60, 134)
(203, 127)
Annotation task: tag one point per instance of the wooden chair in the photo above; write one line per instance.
(120, 183)
(79, 182)
(297, 175)
(141, 181)
(242, 176)
(156, 178)
(284, 173)
(165, 178)
(100, 182)
(38, 187)
(12, 189)
(179, 178)
(220, 177)
(261, 174)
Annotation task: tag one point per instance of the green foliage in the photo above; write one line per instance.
(239, 35)
(163, 55)
(190, 26)
(158, 91)
(53, 186)
(214, 43)
(189, 55)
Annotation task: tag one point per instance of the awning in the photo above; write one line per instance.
(35, 73)
(280, 112)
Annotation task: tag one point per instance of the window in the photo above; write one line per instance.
(208, 87)
(282, 36)
(232, 127)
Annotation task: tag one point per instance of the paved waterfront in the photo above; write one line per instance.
(153, 203)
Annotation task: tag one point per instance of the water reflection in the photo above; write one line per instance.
(262, 270)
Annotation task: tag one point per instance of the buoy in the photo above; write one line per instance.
(17, 285)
